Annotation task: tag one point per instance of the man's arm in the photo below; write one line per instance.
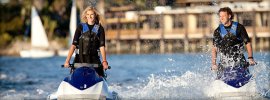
(249, 49)
(214, 57)
(250, 54)
(246, 40)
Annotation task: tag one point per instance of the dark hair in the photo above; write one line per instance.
(228, 10)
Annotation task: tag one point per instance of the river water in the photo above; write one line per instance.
(145, 76)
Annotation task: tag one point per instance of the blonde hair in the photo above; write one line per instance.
(97, 15)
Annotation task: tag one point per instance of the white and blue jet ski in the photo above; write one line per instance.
(83, 83)
(233, 83)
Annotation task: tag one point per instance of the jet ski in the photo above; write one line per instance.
(236, 76)
(233, 83)
(83, 83)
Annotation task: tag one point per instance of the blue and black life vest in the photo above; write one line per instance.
(229, 40)
(88, 42)
(224, 32)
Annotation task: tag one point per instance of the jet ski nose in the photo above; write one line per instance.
(88, 71)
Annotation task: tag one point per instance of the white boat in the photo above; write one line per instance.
(72, 29)
(36, 53)
(39, 40)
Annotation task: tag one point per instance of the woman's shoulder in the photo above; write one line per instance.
(101, 27)
(80, 25)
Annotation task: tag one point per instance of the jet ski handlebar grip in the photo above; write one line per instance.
(70, 65)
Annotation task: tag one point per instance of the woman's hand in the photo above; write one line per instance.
(66, 65)
(105, 65)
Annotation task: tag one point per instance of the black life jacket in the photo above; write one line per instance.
(88, 43)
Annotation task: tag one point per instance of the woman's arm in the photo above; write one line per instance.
(70, 52)
(102, 47)
(103, 55)
(74, 43)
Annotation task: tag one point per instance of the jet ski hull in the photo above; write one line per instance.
(83, 83)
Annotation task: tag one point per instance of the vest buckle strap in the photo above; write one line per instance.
(77, 51)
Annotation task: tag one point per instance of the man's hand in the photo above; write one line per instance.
(251, 62)
(214, 67)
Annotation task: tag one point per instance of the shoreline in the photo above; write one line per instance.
(14, 49)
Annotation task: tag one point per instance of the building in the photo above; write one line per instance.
(185, 27)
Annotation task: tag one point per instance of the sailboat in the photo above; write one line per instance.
(72, 29)
(39, 39)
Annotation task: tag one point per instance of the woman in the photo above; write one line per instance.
(88, 40)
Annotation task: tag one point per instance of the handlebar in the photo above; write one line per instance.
(72, 66)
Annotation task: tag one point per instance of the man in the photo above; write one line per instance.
(229, 40)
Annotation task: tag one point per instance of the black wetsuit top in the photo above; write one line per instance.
(231, 47)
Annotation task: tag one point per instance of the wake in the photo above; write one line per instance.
(196, 84)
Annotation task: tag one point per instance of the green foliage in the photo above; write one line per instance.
(8, 12)
(5, 39)
(49, 25)
(62, 41)
(14, 25)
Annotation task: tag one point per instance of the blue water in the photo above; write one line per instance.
(146, 76)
